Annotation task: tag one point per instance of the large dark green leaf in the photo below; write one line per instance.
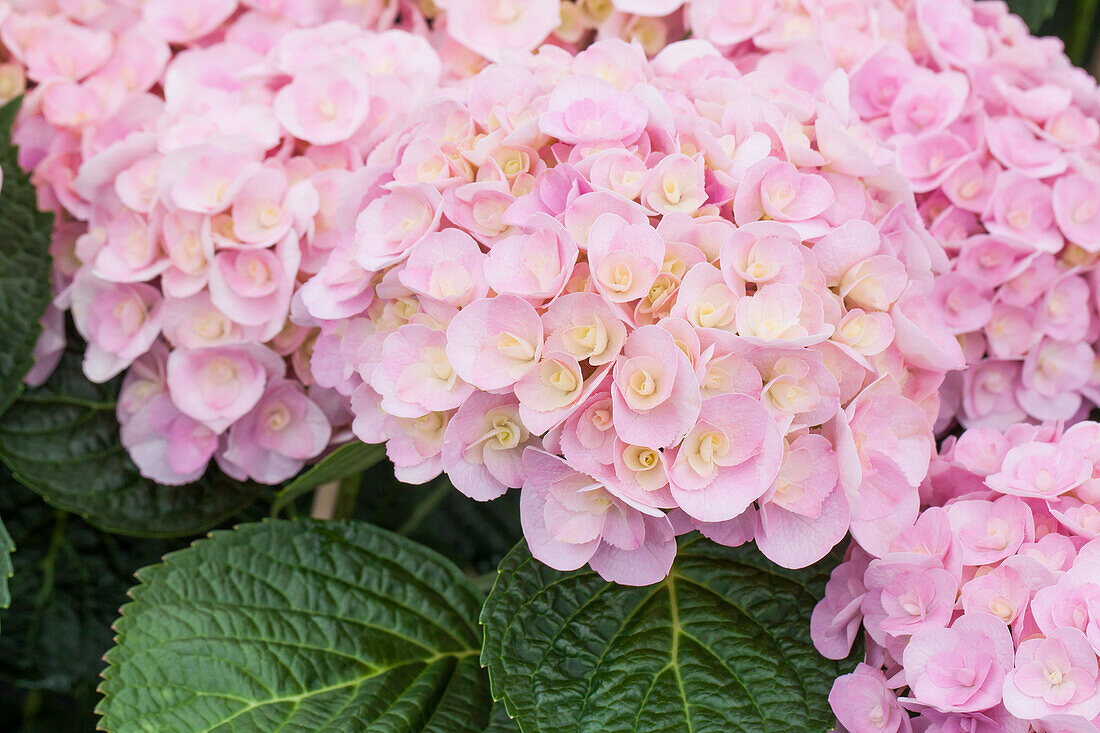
(723, 644)
(474, 534)
(62, 440)
(69, 581)
(24, 266)
(298, 626)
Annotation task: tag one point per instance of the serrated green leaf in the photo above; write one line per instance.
(500, 721)
(723, 644)
(24, 265)
(298, 626)
(1033, 12)
(475, 535)
(69, 581)
(62, 441)
(347, 460)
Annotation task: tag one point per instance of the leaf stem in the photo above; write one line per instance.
(351, 459)
(324, 501)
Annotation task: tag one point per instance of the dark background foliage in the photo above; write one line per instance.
(71, 578)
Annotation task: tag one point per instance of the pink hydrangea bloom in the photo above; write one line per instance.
(999, 136)
(562, 261)
(194, 153)
(985, 615)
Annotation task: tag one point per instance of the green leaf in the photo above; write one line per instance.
(62, 440)
(24, 265)
(723, 644)
(298, 626)
(475, 535)
(500, 721)
(69, 581)
(347, 460)
(1034, 12)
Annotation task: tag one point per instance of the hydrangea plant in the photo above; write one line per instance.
(697, 365)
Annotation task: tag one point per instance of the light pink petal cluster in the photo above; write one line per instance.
(196, 155)
(999, 136)
(984, 613)
(621, 287)
(997, 133)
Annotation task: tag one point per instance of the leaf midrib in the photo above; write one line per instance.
(428, 663)
(675, 626)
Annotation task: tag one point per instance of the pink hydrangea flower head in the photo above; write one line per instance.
(195, 155)
(999, 153)
(604, 265)
(990, 603)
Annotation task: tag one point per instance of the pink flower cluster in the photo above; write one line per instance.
(494, 29)
(999, 136)
(984, 613)
(627, 288)
(195, 152)
(995, 130)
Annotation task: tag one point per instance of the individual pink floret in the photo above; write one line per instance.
(961, 668)
(571, 520)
